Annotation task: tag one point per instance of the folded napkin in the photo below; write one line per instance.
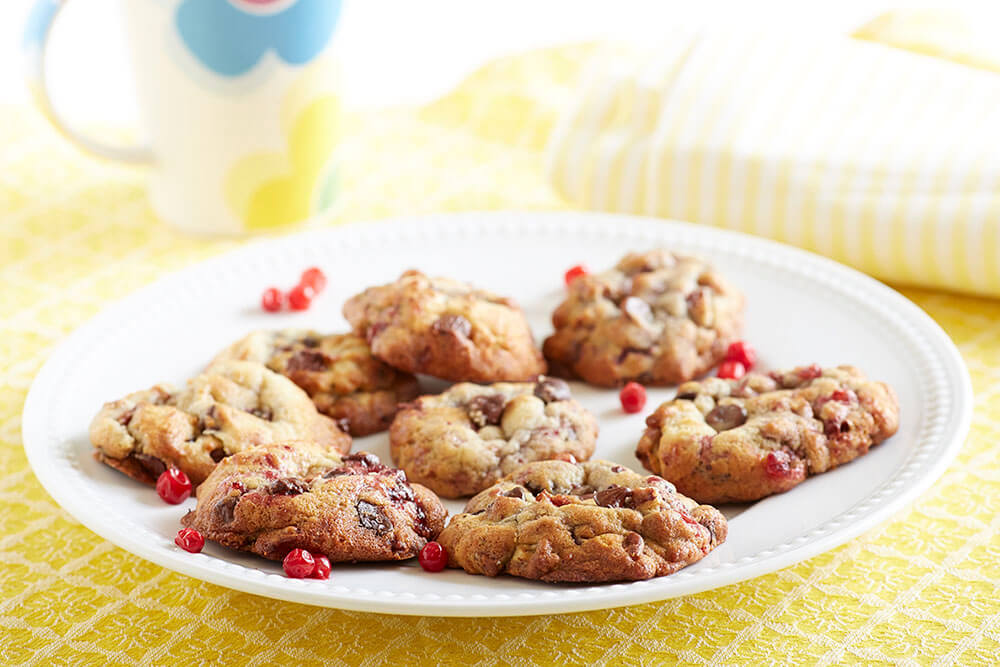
(880, 158)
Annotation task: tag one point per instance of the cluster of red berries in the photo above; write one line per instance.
(300, 297)
(740, 358)
(300, 564)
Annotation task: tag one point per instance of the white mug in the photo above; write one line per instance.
(239, 101)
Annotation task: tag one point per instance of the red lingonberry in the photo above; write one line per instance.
(173, 486)
(299, 564)
(271, 299)
(742, 352)
(190, 540)
(315, 278)
(576, 272)
(777, 465)
(322, 569)
(300, 297)
(632, 397)
(732, 370)
(810, 372)
(433, 557)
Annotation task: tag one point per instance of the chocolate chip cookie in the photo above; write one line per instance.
(656, 318)
(274, 498)
(232, 406)
(462, 441)
(741, 440)
(447, 329)
(338, 372)
(583, 522)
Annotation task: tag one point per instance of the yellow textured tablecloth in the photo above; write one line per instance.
(76, 234)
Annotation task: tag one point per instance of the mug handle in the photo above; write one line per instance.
(34, 44)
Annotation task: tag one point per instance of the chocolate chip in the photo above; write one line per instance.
(551, 389)
(372, 517)
(217, 454)
(126, 417)
(225, 509)
(307, 360)
(151, 464)
(263, 413)
(209, 420)
(400, 493)
(484, 410)
(632, 543)
(613, 496)
(309, 341)
(516, 492)
(700, 306)
(367, 460)
(452, 324)
(288, 486)
(617, 469)
(344, 424)
(687, 396)
(725, 417)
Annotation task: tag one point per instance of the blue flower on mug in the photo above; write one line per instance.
(231, 36)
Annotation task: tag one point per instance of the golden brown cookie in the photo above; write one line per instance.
(232, 406)
(656, 318)
(447, 329)
(338, 372)
(585, 522)
(462, 441)
(740, 440)
(274, 498)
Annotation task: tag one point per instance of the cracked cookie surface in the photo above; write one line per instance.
(338, 372)
(741, 440)
(656, 318)
(462, 441)
(585, 522)
(231, 406)
(274, 498)
(447, 329)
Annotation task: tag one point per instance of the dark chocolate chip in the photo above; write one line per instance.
(365, 459)
(126, 417)
(516, 492)
(288, 486)
(687, 396)
(151, 464)
(551, 389)
(401, 492)
(217, 454)
(307, 360)
(484, 410)
(452, 324)
(309, 341)
(725, 417)
(613, 496)
(372, 517)
(225, 509)
(617, 469)
(632, 543)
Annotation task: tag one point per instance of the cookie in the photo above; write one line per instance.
(447, 329)
(274, 498)
(741, 440)
(232, 406)
(338, 372)
(656, 318)
(462, 441)
(585, 522)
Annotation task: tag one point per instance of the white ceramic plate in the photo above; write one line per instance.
(801, 309)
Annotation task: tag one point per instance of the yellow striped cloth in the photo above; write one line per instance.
(880, 158)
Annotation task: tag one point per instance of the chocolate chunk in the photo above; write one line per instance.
(217, 454)
(126, 417)
(687, 396)
(421, 527)
(372, 517)
(617, 469)
(551, 389)
(484, 410)
(366, 460)
(725, 417)
(309, 341)
(700, 306)
(516, 492)
(307, 360)
(209, 420)
(263, 412)
(452, 324)
(632, 544)
(151, 464)
(288, 486)
(225, 509)
(613, 496)
(401, 492)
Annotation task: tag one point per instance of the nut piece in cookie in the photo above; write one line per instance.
(231, 406)
(462, 441)
(581, 522)
(656, 318)
(338, 372)
(741, 440)
(274, 498)
(447, 329)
